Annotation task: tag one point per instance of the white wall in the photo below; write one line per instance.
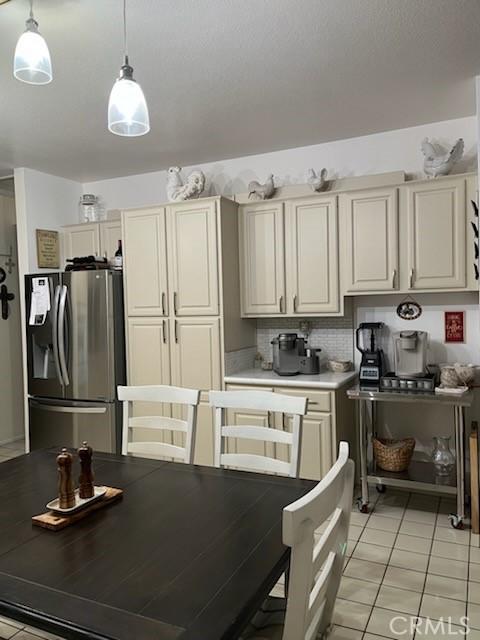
(378, 153)
(43, 202)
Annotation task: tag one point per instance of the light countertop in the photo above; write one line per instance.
(324, 380)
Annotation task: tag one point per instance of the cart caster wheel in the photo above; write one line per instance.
(381, 488)
(455, 521)
(363, 508)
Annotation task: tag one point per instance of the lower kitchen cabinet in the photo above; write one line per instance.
(329, 419)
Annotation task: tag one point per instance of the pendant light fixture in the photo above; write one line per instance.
(32, 62)
(127, 107)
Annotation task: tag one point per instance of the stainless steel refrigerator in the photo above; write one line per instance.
(76, 358)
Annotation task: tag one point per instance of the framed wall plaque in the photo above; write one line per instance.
(48, 252)
(454, 326)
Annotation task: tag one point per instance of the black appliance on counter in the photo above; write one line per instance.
(291, 356)
(372, 366)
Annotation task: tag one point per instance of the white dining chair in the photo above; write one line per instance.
(264, 401)
(315, 566)
(159, 394)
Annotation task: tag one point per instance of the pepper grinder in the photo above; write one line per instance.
(85, 480)
(66, 494)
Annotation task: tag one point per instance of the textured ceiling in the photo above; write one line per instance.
(227, 78)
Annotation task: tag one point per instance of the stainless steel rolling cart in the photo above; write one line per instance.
(420, 476)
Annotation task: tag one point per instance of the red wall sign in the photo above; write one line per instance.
(454, 326)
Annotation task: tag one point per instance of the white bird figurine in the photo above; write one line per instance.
(262, 191)
(439, 163)
(317, 182)
(193, 187)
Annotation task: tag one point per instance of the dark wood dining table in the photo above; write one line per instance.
(190, 552)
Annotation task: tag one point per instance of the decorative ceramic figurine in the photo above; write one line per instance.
(193, 187)
(437, 162)
(261, 191)
(317, 182)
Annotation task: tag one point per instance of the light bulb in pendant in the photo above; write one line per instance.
(32, 63)
(127, 107)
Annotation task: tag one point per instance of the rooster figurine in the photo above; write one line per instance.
(317, 182)
(439, 163)
(261, 191)
(193, 187)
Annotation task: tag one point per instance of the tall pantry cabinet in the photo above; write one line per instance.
(182, 300)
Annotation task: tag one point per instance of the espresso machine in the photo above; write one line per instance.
(291, 356)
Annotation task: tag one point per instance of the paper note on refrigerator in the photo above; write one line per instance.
(40, 302)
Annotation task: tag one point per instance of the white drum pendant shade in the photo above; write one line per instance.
(32, 63)
(127, 107)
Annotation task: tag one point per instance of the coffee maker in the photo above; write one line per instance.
(291, 356)
(410, 353)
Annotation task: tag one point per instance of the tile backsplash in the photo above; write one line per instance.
(334, 336)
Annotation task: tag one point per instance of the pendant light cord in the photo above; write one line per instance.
(125, 40)
(31, 9)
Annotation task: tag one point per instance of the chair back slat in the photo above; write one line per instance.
(160, 449)
(316, 568)
(160, 394)
(258, 433)
(255, 463)
(264, 401)
(158, 422)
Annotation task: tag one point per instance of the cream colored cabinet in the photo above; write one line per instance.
(436, 234)
(81, 240)
(110, 235)
(148, 361)
(145, 262)
(192, 243)
(317, 448)
(262, 259)
(312, 256)
(370, 230)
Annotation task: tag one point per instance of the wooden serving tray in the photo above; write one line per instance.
(56, 522)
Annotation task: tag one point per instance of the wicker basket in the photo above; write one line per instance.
(393, 455)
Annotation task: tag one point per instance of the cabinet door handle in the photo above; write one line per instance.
(411, 278)
(164, 331)
(394, 274)
(163, 303)
(294, 304)
(176, 330)
(280, 304)
(175, 302)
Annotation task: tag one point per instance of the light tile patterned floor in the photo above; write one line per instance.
(12, 450)
(404, 559)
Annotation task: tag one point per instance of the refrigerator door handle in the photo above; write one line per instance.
(55, 334)
(66, 409)
(61, 335)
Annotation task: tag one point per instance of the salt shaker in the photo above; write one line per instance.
(66, 493)
(85, 489)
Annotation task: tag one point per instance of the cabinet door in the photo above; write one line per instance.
(192, 237)
(436, 234)
(110, 234)
(82, 240)
(145, 262)
(196, 364)
(371, 240)
(149, 363)
(312, 256)
(316, 452)
(262, 259)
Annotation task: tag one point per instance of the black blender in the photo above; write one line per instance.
(372, 366)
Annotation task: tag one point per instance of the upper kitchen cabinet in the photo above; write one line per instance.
(262, 259)
(145, 262)
(81, 240)
(312, 256)
(110, 235)
(435, 216)
(193, 258)
(369, 223)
